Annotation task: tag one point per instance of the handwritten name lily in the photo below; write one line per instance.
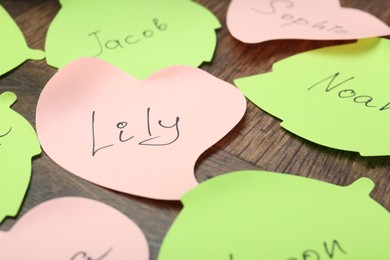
(124, 136)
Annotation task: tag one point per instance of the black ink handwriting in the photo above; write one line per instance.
(272, 6)
(6, 133)
(335, 244)
(332, 78)
(146, 142)
(129, 39)
(289, 19)
(330, 85)
(9, 130)
(310, 254)
(316, 255)
(123, 137)
(94, 150)
(122, 125)
(82, 255)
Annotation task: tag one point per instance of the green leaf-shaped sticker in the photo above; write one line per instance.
(138, 36)
(252, 215)
(18, 144)
(13, 47)
(336, 96)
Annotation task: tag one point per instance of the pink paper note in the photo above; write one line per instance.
(74, 229)
(253, 21)
(138, 137)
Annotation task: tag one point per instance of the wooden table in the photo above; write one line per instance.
(257, 142)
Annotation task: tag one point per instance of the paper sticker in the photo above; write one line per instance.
(138, 36)
(253, 21)
(138, 137)
(74, 228)
(13, 47)
(18, 144)
(264, 215)
(335, 96)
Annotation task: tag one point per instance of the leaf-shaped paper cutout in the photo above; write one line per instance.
(253, 21)
(75, 229)
(138, 36)
(138, 137)
(264, 215)
(336, 96)
(13, 47)
(18, 144)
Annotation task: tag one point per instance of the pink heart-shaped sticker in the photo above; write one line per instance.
(253, 21)
(137, 137)
(75, 229)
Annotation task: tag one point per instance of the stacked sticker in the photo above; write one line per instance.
(263, 215)
(336, 96)
(75, 229)
(253, 21)
(18, 144)
(138, 36)
(13, 46)
(138, 137)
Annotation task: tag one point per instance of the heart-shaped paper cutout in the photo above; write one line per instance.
(263, 215)
(253, 21)
(18, 144)
(138, 137)
(329, 97)
(13, 47)
(75, 229)
(138, 36)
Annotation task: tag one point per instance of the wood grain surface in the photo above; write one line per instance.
(257, 142)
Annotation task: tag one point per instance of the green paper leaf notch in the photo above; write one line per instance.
(138, 36)
(336, 96)
(13, 47)
(264, 215)
(18, 144)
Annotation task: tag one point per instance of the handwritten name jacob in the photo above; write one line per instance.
(127, 40)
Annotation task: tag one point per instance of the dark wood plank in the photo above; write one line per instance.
(257, 142)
